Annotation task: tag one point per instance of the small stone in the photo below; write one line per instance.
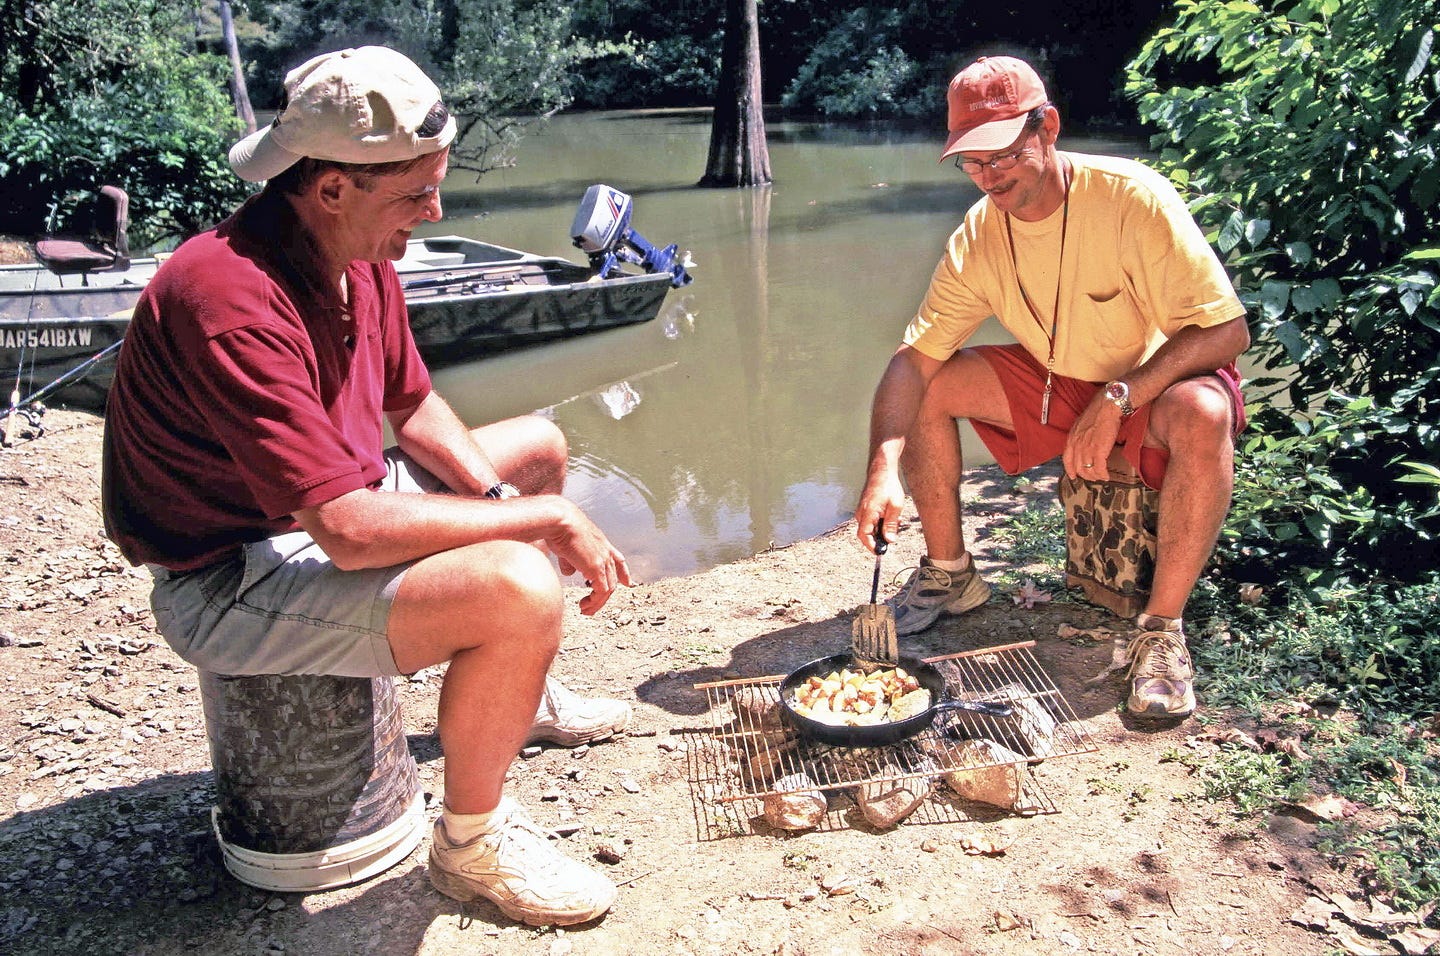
(275, 904)
(630, 785)
(607, 853)
(530, 753)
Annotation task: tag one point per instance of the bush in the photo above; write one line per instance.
(153, 118)
(1310, 146)
(1297, 518)
(859, 71)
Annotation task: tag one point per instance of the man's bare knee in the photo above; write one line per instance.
(524, 592)
(497, 594)
(529, 451)
(1195, 410)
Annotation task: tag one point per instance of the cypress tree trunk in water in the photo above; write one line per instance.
(738, 153)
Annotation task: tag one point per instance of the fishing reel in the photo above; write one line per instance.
(602, 231)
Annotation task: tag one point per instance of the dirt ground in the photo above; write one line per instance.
(105, 783)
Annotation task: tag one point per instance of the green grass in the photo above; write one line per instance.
(1352, 672)
(1031, 544)
(1369, 656)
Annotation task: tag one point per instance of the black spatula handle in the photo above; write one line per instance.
(880, 546)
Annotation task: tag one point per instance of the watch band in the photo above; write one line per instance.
(502, 489)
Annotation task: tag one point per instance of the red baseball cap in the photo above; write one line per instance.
(988, 103)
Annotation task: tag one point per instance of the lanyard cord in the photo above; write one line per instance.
(1034, 313)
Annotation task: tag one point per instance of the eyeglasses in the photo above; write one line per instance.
(974, 167)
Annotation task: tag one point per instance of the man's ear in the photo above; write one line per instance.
(329, 188)
(1050, 125)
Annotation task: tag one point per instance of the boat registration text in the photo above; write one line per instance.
(62, 337)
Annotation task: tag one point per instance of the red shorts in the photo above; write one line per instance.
(1032, 443)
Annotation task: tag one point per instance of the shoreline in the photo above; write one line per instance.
(106, 788)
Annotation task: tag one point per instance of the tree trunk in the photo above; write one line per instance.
(738, 153)
(238, 92)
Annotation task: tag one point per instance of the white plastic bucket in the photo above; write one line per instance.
(314, 782)
(325, 869)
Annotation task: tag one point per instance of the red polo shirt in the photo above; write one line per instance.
(245, 391)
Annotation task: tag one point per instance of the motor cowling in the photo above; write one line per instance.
(602, 231)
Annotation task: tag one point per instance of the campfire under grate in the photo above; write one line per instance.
(750, 755)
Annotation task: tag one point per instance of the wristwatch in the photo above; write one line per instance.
(502, 489)
(1119, 393)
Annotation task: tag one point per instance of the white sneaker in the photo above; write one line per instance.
(569, 720)
(1162, 679)
(515, 867)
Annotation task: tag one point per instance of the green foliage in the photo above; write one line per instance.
(1298, 517)
(634, 73)
(502, 64)
(133, 105)
(1253, 782)
(637, 59)
(858, 71)
(1369, 648)
(1310, 146)
(1401, 853)
(1368, 653)
(509, 64)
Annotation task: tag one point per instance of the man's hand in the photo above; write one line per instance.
(880, 505)
(582, 548)
(1092, 437)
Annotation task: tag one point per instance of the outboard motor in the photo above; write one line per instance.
(602, 231)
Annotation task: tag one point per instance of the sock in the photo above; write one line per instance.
(464, 827)
(1154, 622)
(958, 564)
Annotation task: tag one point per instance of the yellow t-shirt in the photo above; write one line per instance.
(1137, 269)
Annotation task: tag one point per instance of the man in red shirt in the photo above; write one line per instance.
(244, 465)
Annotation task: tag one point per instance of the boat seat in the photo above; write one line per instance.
(103, 247)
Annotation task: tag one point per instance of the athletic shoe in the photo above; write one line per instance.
(569, 720)
(933, 591)
(515, 867)
(1161, 675)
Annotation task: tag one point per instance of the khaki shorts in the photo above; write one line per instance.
(281, 606)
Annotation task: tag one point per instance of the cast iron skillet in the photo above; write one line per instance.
(877, 735)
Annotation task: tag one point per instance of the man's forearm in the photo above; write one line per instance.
(434, 436)
(1192, 351)
(373, 529)
(897, 402)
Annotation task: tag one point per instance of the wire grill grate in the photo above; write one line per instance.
(748, 751)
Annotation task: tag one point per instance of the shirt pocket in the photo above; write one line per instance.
(1111, 321)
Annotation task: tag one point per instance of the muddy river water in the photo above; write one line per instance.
(736, 420)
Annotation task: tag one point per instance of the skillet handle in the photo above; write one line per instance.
(988, 707)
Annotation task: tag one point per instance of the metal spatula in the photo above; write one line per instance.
(873, 643)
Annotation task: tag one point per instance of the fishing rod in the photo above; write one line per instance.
(78, 372)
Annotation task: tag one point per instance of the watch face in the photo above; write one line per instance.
(1117, 391)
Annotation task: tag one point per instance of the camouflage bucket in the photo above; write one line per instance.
(1110, 541)
(315, 785)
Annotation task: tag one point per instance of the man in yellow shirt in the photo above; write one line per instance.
(1127, 331)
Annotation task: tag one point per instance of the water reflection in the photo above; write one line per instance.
(736, 420)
